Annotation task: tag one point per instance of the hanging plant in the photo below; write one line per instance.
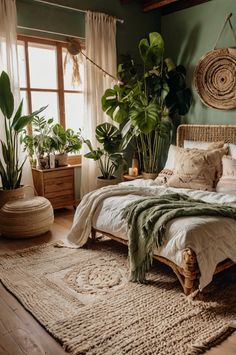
(73, 55)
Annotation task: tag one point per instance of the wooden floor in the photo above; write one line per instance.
(20, 333)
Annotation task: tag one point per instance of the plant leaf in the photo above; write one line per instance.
(25, 120)
(6, 96)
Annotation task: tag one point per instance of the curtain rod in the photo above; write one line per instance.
(69, 8)
(50, 32)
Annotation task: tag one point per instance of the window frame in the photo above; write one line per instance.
(60, 45)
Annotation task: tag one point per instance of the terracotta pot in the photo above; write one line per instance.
(61, 159)
(147, 176)
(101, 182)
(12, 195)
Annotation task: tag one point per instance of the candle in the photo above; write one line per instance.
(131, 171)
(135, 171)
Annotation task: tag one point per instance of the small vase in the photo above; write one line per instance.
(147, 176)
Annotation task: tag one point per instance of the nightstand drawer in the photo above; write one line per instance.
(58, 184)
(58, 175)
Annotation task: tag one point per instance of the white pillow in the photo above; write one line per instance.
(227, 183)
(232, 150)
(170, 162)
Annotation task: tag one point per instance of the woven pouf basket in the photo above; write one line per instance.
(26, 218)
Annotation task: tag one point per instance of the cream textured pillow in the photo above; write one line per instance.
(163, 176)
(196, 168)
(227, 182)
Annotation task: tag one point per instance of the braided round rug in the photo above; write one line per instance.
(83, 298)
(215, 78)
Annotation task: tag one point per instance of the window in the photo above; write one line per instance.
(43, 81)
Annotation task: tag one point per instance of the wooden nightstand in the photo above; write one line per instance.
(127, 177)
(57, 185)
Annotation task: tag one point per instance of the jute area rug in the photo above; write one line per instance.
(82, 297)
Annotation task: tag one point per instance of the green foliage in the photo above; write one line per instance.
(65, 141)
(148, 102)
(10, 167)
(111, 155)
(48, 137)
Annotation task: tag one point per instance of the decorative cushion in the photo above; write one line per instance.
(163, 176)
(196, 168)
(168, 170)
(227, 182)
(26, 218)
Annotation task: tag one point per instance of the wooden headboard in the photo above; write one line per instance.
(206, 133)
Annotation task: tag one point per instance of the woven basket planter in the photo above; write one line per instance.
(12, 195)
(106, 182)
(26, 218)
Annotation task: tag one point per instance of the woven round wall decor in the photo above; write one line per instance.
(215, 78)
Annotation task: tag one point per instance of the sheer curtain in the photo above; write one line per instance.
(100, 33)
(9, 63)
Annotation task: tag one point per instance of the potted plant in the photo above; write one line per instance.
(110, 156)
(148, 101)
(64, 142)
(39, 143)
(10, 166)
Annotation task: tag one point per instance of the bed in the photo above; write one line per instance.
(194, 253)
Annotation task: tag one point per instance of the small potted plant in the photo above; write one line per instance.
(64, 142)
(39, 143)
(110, 156)
(10, 166)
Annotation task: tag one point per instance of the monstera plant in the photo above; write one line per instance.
(109, 156)
(148, 102)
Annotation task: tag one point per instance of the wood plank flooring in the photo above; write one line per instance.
(20, 333)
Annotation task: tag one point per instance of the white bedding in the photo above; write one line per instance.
(213, 239)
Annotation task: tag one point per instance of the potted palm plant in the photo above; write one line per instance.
(148, 101)
(110, 156)
(10, 166)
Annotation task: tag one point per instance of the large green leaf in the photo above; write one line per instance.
(152, 51)
(111, 105)
(6, 96)
(145, 117)
(23, 121)
(110, 136)
(18, 113)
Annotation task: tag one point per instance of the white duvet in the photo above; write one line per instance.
(213, 239)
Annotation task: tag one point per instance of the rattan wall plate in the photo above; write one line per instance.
(215, 78)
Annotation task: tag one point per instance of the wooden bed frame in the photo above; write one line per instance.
(189, 273)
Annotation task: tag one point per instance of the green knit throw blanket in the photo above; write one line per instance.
(147, 219)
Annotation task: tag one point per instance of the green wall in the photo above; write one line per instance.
(136, 26)
(136, 23)
(188, 35)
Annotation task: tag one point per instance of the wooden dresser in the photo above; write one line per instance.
(57, 185)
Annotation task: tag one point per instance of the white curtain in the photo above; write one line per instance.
(9, 63)
(100, 33)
